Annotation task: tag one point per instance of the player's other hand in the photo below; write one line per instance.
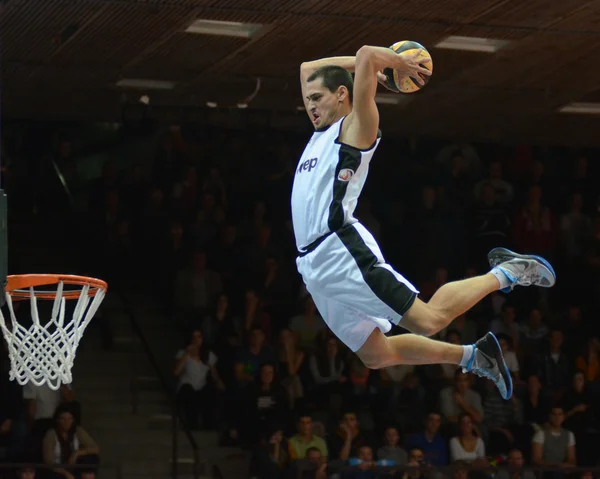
(409, 64)
(382, 80)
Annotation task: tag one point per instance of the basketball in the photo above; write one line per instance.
(406, 84)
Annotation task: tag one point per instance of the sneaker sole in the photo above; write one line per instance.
(503, 368)
(501, 255)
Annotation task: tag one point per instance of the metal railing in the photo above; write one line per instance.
(338, 468)
(168, 390)
(104, 469)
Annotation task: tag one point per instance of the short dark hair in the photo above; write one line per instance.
(311, 449)
(334, 77)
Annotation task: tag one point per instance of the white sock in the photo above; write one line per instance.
(501, 277)
(468, 352)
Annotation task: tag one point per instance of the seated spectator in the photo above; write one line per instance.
(391, 450)
(580, 418)
(589, 362)
(195, 286)
(276, 288)
(250, 358)
(553, 367)
(347, 438)
(533, 333)
(467, 446)
(42, 402)
(26, 472)
(305, 440)
(510, 357)
(220, 326)
(466, 329)
(535, 405)
(290, 359)
(460, 398)
(507, 324)
(13, 428)
(365, 465)
(411, 402)
(515, 469)
(429, 441)
(328, 371)
(503, 190)
(194, 394)
(577, 405)
(360, 381)
(577, 331)
(313, 466)
(307, 325)
(535, 226)
(68, 444)
(554, 445)
(264, 404)
(392, 381)
(460, 470)
(504, 421)
(270, 457)
(417, 463)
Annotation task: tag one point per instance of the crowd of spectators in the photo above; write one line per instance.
(208, 220)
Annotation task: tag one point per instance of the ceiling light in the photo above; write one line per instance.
(581, 108)
(300, 108)
(242, 105)
(145, 84)
(388, 99)
(211, 104)
(228, 29)
(472, 44)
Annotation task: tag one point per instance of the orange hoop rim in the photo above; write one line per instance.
(17, 285)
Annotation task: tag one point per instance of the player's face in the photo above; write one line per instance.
(322, 104)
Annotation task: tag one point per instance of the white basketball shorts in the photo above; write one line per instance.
(353, 287)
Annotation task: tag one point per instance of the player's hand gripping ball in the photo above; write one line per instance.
(398, 81)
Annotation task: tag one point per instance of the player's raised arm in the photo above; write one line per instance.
(361, 130)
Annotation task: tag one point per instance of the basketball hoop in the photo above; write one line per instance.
(44, 353)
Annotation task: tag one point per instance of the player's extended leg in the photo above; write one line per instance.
(453, 299)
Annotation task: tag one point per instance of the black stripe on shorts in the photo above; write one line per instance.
(382, 282)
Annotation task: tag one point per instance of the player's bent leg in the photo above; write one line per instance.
(448, 302)
(380, 351)
(484, 358)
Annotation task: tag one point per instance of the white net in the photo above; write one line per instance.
(44, 353)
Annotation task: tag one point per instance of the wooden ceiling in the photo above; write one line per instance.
(62, 58)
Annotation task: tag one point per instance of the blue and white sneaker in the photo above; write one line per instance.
(522, 269)
(488, 362)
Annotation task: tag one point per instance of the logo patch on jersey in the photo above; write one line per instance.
(308, 165)
(345, 175)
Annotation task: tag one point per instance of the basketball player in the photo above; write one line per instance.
(358, 294)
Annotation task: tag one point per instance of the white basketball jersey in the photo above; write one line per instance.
(328, 181)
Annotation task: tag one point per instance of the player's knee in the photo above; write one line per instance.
(437, 319)
(374, 362)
